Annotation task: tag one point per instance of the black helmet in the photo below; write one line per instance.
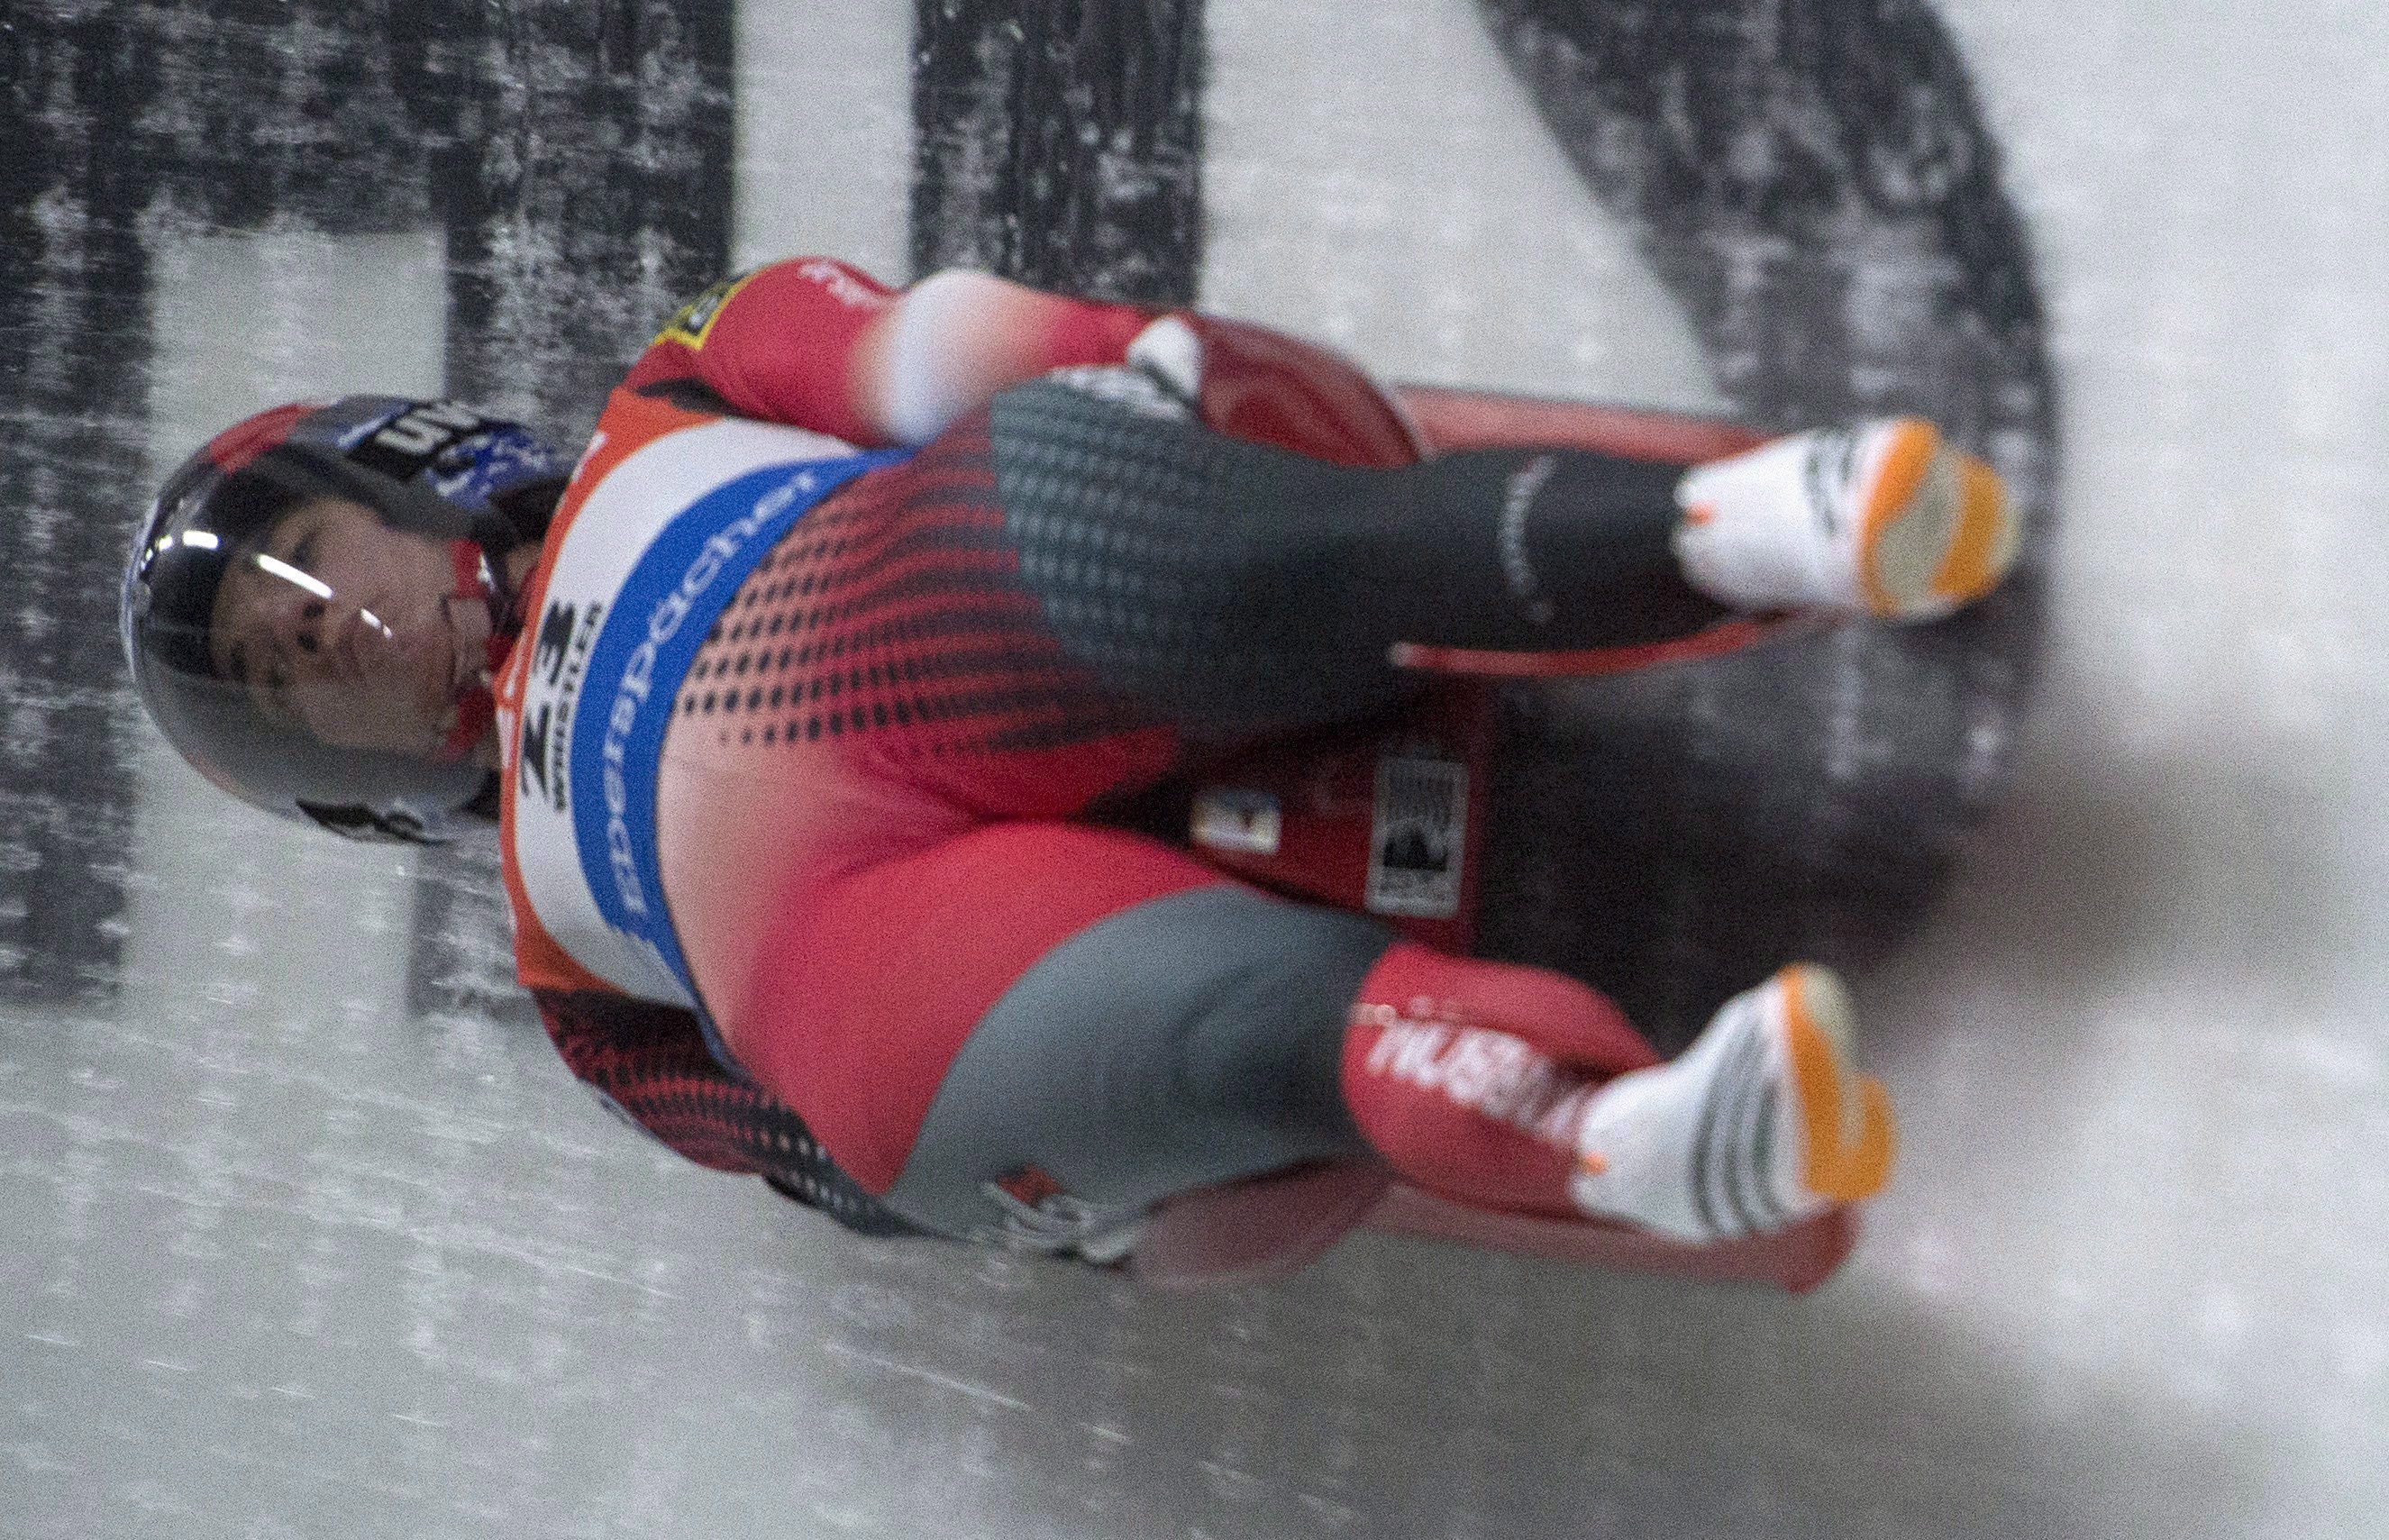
(472, 486)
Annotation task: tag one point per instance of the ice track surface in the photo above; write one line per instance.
(307, 1233)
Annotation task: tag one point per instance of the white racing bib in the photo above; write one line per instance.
(649, 563)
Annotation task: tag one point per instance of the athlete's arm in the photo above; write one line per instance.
(956, 338)
(821, 345)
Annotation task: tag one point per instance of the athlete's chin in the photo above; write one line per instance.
(406, 735)
(419, 682)
(434, 714)
(398, 710)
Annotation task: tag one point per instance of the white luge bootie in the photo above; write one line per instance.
(1886, 518)
(1760, 1124)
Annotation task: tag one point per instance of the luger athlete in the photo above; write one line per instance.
(803, 701)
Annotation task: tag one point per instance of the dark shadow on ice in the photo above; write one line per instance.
(1817, 186)
(1674, 835)
(2114, 862)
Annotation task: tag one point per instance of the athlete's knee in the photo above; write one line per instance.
(1265, 1045)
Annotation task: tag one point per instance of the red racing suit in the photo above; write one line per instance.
(901, 946)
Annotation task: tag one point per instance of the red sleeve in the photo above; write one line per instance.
(818, 345)
(778, 344)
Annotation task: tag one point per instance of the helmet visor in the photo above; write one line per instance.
(337, 625)
(301, 639)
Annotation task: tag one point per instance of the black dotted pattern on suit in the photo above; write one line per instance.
(1166, 560)
(894, 610)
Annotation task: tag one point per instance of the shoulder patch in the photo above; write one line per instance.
(696, 318)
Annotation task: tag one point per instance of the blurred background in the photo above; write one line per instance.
(308, 1232)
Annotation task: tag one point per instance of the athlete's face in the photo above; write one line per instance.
(339, 624)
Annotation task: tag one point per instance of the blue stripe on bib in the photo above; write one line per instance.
(678, 588)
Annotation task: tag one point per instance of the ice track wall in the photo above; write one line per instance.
(1812, 183)
(577, 159)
